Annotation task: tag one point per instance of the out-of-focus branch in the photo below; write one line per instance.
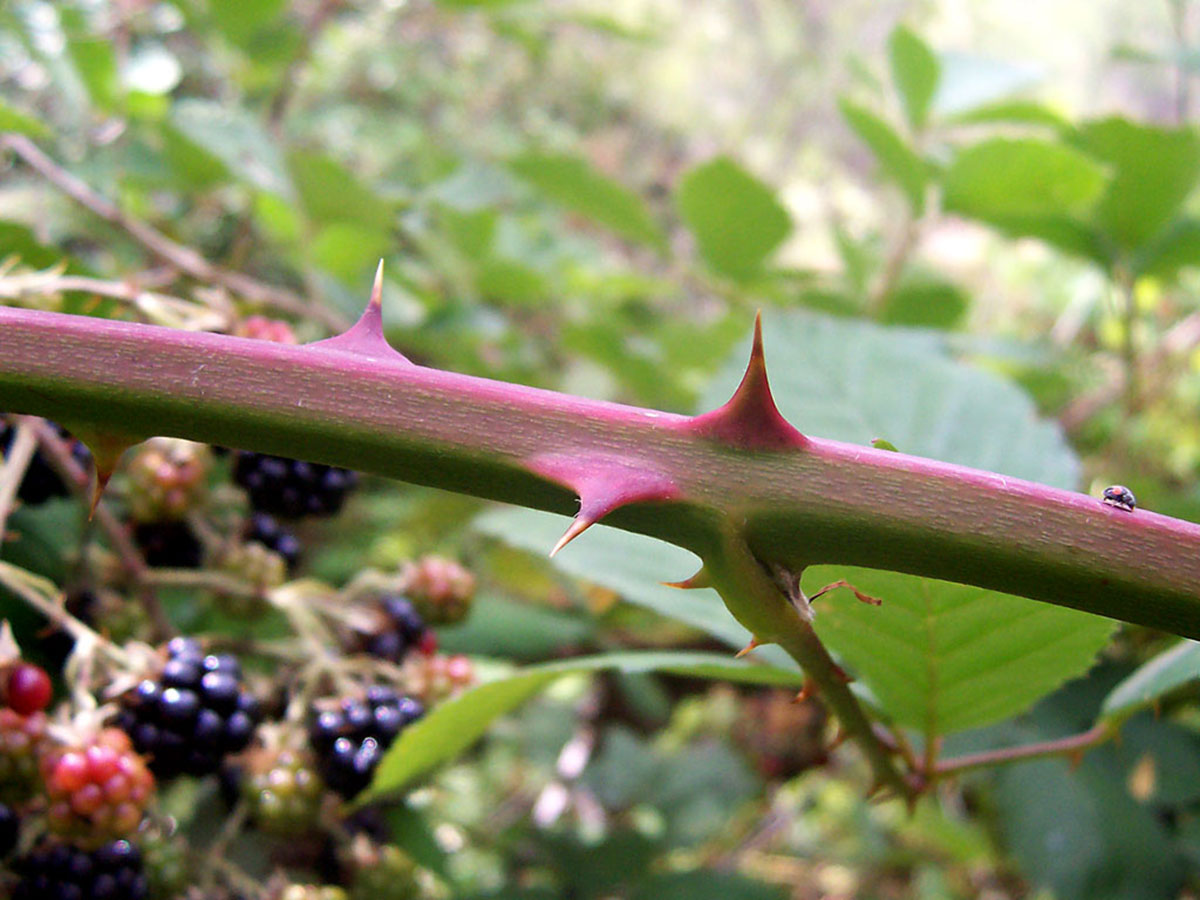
(183, 258)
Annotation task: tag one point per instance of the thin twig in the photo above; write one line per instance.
(1068, 746)
(12, 473)
(178, 255)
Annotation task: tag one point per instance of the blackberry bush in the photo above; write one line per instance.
(399, 630)
(55, 871)
(292, 488)
(282, 790)
(351, 735)
(193, 715)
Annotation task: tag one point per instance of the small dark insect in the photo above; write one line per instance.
(1120, 496)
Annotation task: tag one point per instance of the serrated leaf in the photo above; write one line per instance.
(936, 655)
(237, 139)
(456, 724)
(1154, 171)
(1009, 180)
(577, 186)
(735, 218)
(895, 157)
(1165, 673)
(915, 71)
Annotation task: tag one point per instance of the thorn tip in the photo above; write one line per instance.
(574, 530)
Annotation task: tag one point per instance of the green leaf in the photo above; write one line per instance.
(895, 157)
(1178, 248)
(329, 192)
(735, 218)
(936, 655)
(508, 281)
(630, 564)
(12, 119)
(239, 20)
(928, 302)
(577, 186)
(1165, 673)
(411, 832)
(1010, 180)
(503, 629)
(915, 70)
(706, 885)
(456, 724)
(1019, 112)
(348, 251)
(1154, 171)
(237, 139)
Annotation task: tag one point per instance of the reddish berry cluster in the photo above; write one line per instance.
(97, 791)
(440, 588)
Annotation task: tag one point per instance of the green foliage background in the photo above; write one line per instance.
(976, 256)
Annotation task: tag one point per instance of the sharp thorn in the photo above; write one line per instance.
(808, 690)
(98, 485)
(863, 598)
(377, 288)
(1075, 759)
(699, 580)
(754, 642)
(842, 674)
(576, 528)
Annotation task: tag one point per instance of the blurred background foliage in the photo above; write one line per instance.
(972, 229)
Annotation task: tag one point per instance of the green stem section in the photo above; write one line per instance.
(825, 502)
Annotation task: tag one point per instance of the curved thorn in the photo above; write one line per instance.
(699, 580)
(377, 288)
(754, 643)
(365, 337)
(577, 527)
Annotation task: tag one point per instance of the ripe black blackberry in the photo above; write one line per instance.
(193, 715)
(41, 481)
(350, 738)
(262, 528)
(169, 545)
(60, 872)
(402, 629)
(290, 487)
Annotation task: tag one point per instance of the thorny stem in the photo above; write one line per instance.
(184, 258)
(61, 460)
(1069, 746)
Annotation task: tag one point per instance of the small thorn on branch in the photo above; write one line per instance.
(577, 527)
(365, 337)
(697, 581)
(749, 648)
(863, 598)
(807, 691)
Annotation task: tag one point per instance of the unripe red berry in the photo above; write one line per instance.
(28, 689)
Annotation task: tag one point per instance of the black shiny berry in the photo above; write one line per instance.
(193, 715)
(350, 740)
(291, 488)
(61, 872)
(1120, 496)
(401, 629)
(262, 528)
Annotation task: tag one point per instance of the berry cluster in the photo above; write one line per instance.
(61, 872)
(283, 791)
(23, 738)
(262, 528)
(400, 629)
(193, 715)
(291, 488)
(170, 545)
(351, 738)
(41, 482)
(440, 588)
(97, 791)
